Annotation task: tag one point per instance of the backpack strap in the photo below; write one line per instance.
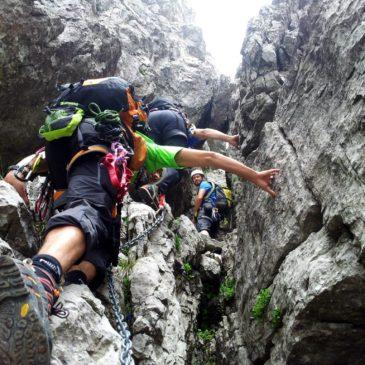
(211, 190)
(90, 149)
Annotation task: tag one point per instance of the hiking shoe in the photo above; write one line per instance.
(25, 336)
(149, 195)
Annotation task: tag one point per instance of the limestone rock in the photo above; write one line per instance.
(16, 224)
(164, 309)
(320, 291)
(5, 249)
(153, 44)
(302, 113)
(211, 265)
(86, 331)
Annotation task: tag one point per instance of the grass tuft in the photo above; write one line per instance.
(262, 302)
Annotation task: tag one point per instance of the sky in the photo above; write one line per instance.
(224, 26)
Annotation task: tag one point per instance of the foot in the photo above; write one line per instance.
(25, 336)
(149, 195)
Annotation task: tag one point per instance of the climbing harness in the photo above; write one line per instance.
(122, 327)
(162, 211)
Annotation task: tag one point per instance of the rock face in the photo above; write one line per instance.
(298, 260)
(152, 43)
(301, 109)
(16, 223)
(85, 336)
(165, 306)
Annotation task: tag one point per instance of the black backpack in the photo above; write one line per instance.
(222, 203)
(163, 104)
(109, 93)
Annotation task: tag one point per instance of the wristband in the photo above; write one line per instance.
(13, 167)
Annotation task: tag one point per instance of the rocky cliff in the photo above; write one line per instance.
(152, 43)
(287, 285)
(298, 260)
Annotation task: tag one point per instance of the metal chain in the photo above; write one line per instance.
(147, 231)
(122, 327)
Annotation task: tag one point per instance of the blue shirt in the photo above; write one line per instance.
(207, 186)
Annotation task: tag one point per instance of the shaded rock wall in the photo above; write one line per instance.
(301, 109)
(152, 43)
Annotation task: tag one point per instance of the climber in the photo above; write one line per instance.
(170, 127)
(206, 215)
(82, 239)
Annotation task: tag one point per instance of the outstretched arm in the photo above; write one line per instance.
(208, 133)
(193, 158)
(17, 176)
(18, 185)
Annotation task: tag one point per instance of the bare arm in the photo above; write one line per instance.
(18, 185)
(198, 202)
(22, 168)
(193, 158)
(208, 133)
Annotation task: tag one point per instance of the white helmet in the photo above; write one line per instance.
(197, 171)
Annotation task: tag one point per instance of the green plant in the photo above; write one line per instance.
(174, 222)
(226, 289)
(126, 265)
(142, 70)
(187, 268)
(177, 242)
(261, 303)
(127, 294)
(206, 335)
(127, 283)
(125, 250)
(276, 318)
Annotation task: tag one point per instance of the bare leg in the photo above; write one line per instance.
(87, 268)
(67, 244)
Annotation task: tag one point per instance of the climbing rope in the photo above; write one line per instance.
(122, 326)
(108, 122)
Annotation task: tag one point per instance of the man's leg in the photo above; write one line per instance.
(66, 244)
(63, 246)
(170, 178)
(204, 223)
(27, 293)
(83, 273)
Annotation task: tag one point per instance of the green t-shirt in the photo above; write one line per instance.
(160, 156)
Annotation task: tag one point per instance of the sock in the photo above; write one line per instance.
(50, 264)
(49, 272)
(75, 277)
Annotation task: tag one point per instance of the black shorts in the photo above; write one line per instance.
(168, 128)
(89, 202)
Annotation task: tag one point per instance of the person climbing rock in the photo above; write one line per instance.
(170, 127)
(93, 143)
(205, 215)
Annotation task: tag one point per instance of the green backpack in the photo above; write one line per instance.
(61, 121)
